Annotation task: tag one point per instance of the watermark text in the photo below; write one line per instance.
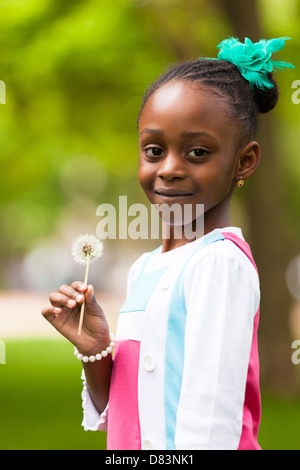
(296, 354)
(2, 92)
(2, 352)
(296, 94)
(136, 221)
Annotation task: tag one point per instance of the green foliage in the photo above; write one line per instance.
(74, 74)
(282, 19)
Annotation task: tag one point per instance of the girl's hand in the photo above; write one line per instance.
(64, 316)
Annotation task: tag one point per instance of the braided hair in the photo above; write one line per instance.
(225, 79)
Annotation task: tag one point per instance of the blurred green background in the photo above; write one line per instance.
(74, 74)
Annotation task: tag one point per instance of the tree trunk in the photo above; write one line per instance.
(268, 235)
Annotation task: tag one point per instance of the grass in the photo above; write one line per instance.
(40, 398)
(40, 403)
(279, 428)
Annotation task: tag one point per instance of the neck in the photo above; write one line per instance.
(176, 236)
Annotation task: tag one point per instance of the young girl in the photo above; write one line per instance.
(185, 369)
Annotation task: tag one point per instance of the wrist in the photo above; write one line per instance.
(93, 344)
(98, 353)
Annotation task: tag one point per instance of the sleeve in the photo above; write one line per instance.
(222, 298)
(92, 419)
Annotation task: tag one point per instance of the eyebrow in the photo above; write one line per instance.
(151, 131)
(184, 134)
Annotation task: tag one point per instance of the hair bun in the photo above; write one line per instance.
(266, 99)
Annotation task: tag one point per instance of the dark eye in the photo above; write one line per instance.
(153, 152)
(198, 152)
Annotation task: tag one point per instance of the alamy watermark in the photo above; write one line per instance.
(296, 94)
(2, 352)
(2, 92)
(296, 354)
(136, 221)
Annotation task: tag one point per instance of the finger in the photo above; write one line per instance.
(71, 293)
(49, 313)
(79, 286)
(60, 300)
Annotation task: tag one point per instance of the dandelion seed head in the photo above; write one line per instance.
(87, 246)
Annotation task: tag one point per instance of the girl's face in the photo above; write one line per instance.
(188, 150)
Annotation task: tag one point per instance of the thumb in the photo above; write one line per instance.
(90, 300)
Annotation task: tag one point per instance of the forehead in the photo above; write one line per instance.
(186, 106)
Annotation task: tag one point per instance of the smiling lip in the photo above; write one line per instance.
(172, 193)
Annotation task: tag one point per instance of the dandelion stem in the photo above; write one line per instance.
(83, 305)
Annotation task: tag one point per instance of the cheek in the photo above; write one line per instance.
(208, 177)
(216, 181)
(145, 174)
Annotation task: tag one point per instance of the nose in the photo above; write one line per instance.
(171, 167)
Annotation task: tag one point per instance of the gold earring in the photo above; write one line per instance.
(240, 182)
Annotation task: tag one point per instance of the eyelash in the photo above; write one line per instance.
(203, 152)
(146, 150)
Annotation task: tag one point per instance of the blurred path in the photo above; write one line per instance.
(20, 314)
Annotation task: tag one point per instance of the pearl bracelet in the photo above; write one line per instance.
(96, 357)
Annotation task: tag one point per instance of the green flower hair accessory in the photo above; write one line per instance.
(254, 59)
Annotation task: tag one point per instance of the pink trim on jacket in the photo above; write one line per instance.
(252, 403)
(123, 426)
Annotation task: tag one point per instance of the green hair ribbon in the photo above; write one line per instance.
(254, 59)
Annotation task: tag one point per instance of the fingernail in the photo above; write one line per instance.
(71, 303)
(57, 310)
(79, 297)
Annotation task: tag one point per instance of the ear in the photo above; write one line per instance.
(248, 160)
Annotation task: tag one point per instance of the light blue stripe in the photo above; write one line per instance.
(143, 287)
(142, 290)
(174, 348)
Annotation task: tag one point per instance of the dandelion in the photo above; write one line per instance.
(85, 249)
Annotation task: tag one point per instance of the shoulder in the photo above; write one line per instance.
(224, 252)
(223, 262)
(222, 274)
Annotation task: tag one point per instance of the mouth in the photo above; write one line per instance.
(172, 193)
